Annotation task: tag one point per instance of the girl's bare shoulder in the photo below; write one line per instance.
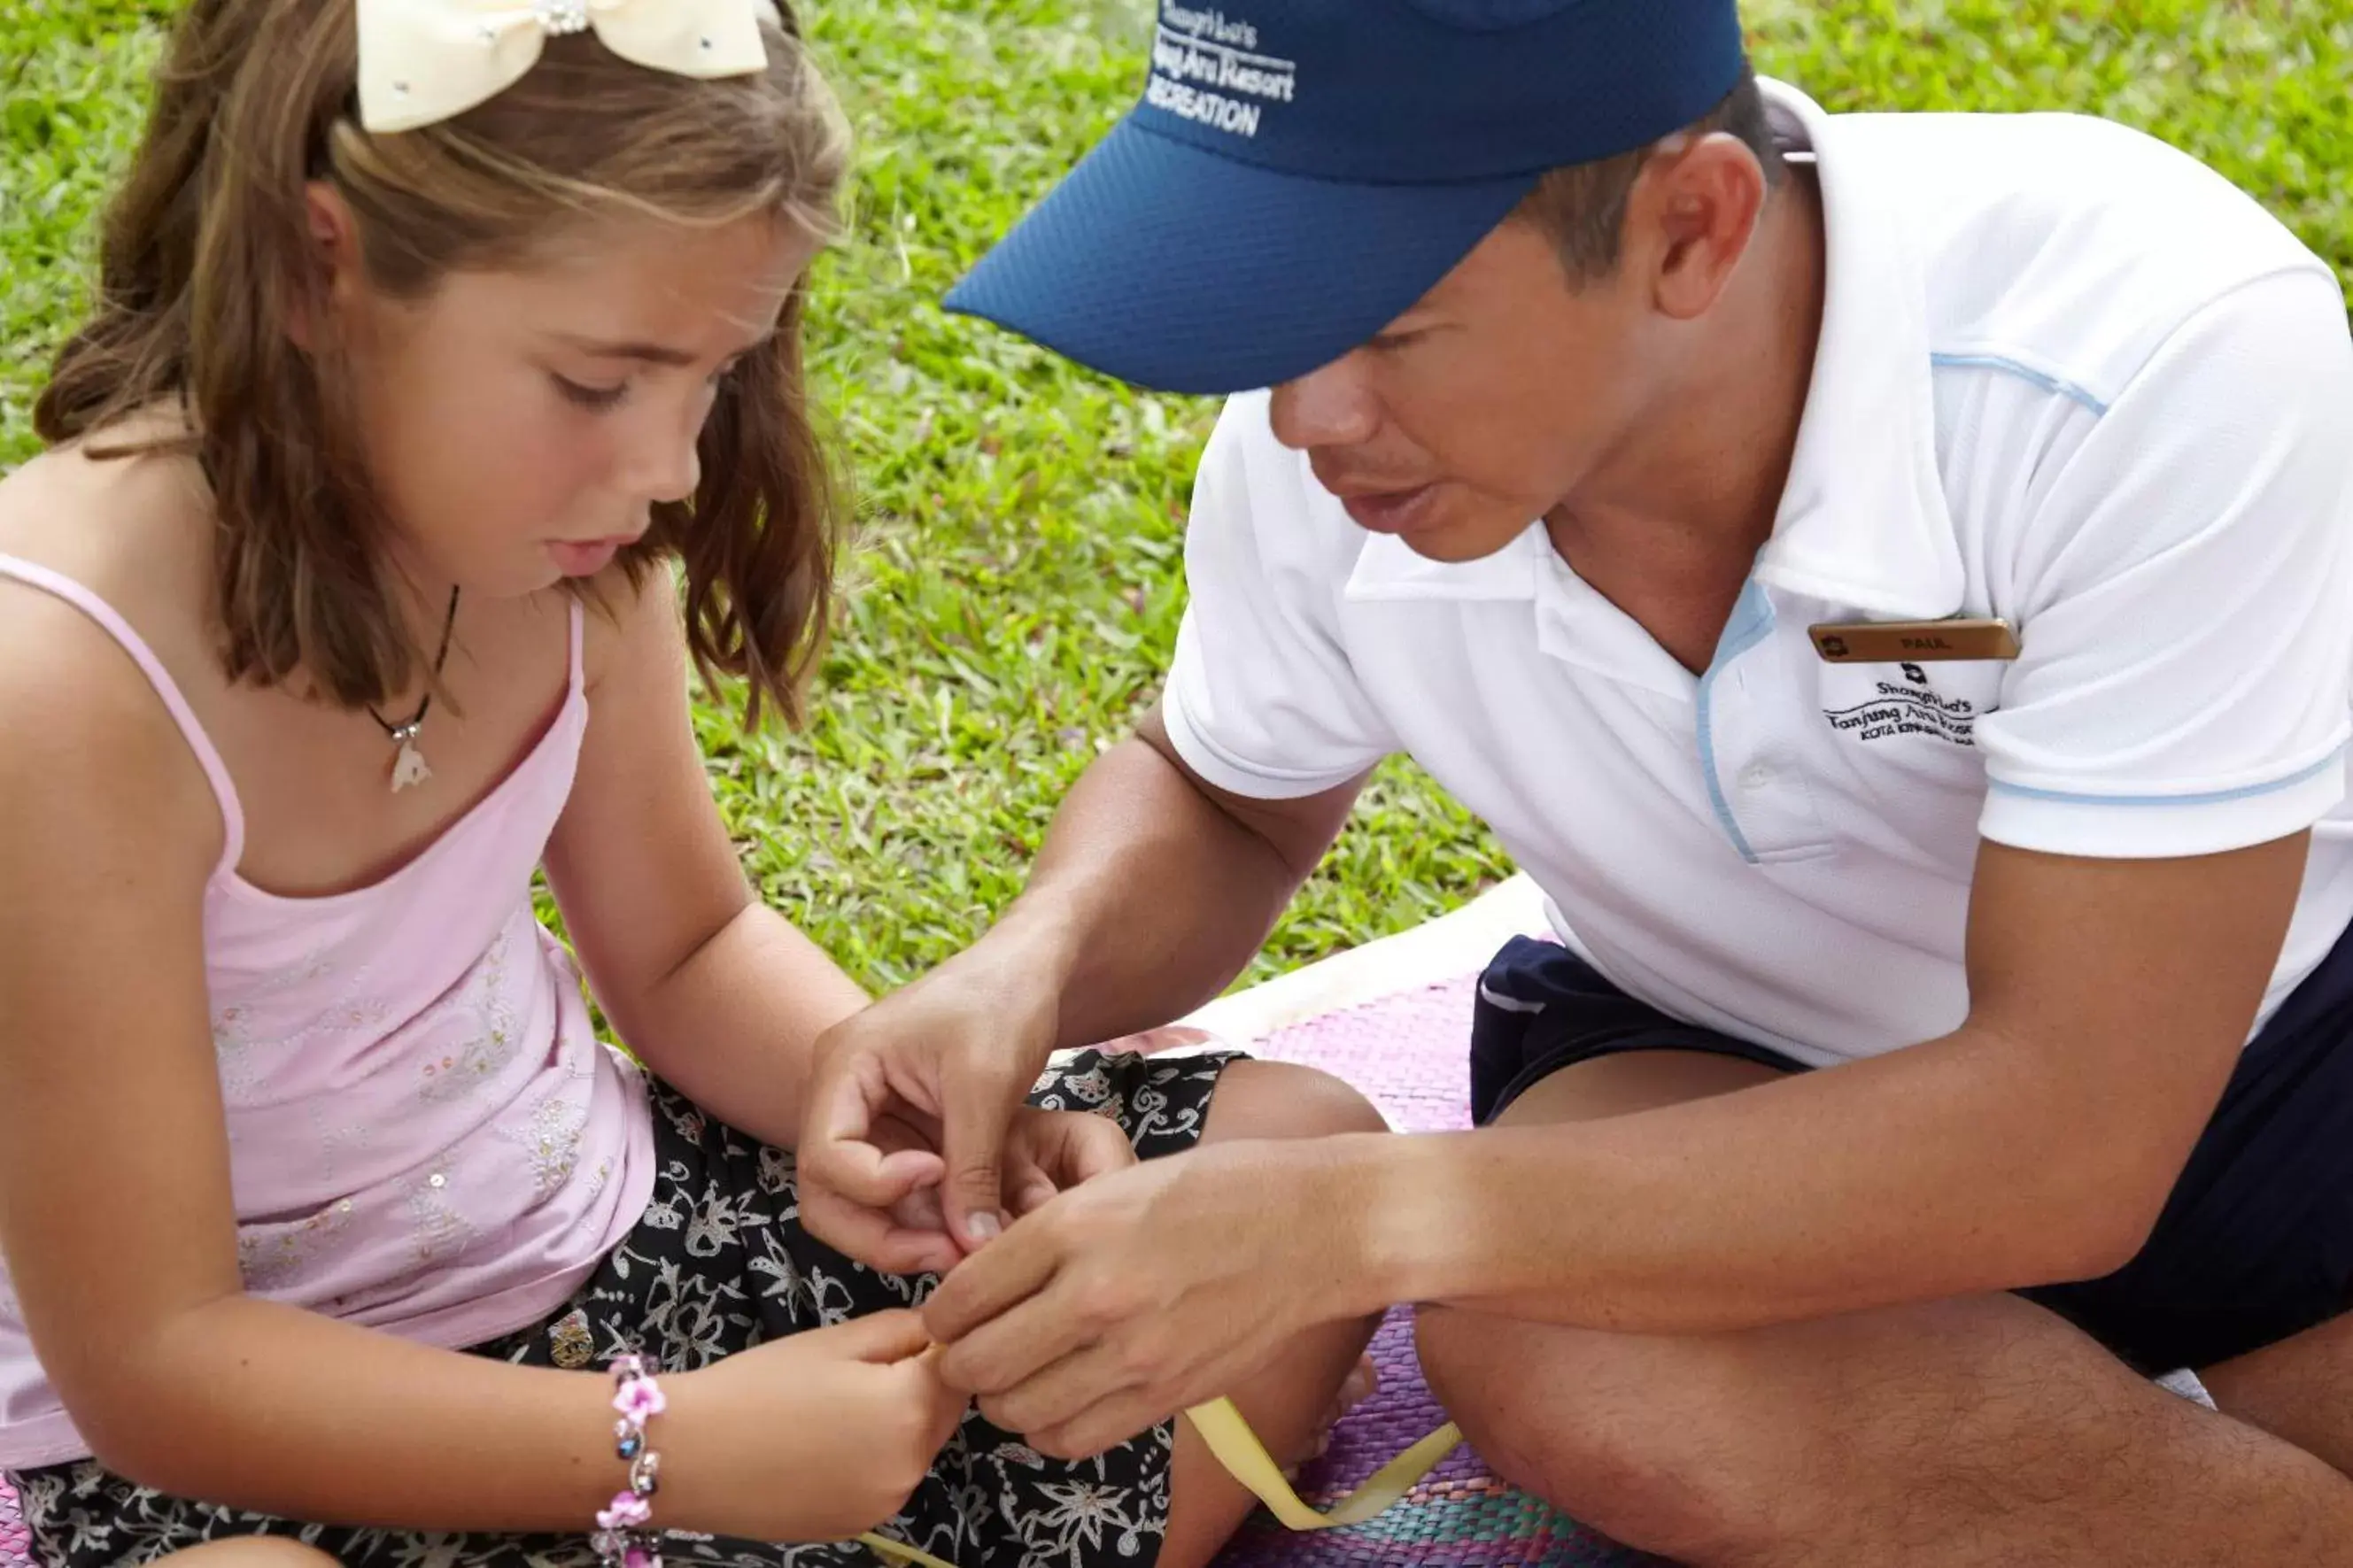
(134, 527)
(133, 531)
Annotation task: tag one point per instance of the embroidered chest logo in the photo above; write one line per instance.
(1207, 68)
(1911, 706)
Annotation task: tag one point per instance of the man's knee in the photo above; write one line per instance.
(2299, 1390)
(1604, 1428)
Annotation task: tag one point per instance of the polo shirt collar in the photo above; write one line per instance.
(1573, 622)
(1863, 522)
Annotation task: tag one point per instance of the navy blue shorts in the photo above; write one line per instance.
(2255, 1245)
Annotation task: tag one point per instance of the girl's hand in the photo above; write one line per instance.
(1045, 1153)
(814, 1438)
(1050, 1152)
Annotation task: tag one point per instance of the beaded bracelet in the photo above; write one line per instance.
(624, 1538)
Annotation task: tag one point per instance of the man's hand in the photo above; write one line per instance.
(952, 1057)
(1131, 1298)
(1152, 891)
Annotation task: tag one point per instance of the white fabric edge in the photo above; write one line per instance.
(2188, 1385)
(1205, 758)
(1452, 946)
(2153, 830)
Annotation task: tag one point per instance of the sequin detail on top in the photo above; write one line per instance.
(478, 1065)
(425, 1134)
(550, 1140)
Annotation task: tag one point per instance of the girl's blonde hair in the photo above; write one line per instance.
(207, 264)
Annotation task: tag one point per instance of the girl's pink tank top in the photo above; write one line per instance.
(425, 1134)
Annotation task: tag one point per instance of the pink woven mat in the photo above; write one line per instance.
(15, 1546)
(1409, 1055)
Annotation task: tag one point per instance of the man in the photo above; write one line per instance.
(1890, 581)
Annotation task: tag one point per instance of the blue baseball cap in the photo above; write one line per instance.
(1300, 172)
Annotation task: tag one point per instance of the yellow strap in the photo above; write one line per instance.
(1238, 1448)
(892, 1551)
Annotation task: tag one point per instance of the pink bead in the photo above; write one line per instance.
(639, 1557)
(640, 1400)
(628, 1511)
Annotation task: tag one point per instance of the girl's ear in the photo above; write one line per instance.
(331, 267)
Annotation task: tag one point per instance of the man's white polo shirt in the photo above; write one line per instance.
(2067, 376)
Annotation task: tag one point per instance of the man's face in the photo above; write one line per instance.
(1485, 405)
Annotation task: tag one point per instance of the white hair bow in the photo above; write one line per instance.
(423, 61)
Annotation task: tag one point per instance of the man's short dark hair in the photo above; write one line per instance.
(1582, 208)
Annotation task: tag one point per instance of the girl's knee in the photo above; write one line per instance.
(1284, 1099)
(251, 1551)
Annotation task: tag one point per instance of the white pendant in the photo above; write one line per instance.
(408, 768)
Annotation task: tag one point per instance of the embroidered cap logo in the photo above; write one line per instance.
(1209, 67)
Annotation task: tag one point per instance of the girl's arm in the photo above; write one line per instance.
(117, 1220)
(719, 994)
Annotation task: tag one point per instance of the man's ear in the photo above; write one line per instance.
(1690, 218)
(330, 266)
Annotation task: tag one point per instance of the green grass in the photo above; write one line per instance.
(1019, 582)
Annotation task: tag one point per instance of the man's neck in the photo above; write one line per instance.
(1701, 493)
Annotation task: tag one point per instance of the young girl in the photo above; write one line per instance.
(429, 337)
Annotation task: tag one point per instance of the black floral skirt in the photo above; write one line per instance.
(719, 1263)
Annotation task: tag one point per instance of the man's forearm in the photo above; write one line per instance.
(2109, 1002)
(1145, 902)
(1960, 1166)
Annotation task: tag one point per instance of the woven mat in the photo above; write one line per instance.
(1407, 1053)
(15, 1546)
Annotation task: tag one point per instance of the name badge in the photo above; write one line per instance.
(1913, 642)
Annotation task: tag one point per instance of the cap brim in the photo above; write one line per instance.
(1178, 269)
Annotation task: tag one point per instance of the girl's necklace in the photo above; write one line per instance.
(408, 763)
